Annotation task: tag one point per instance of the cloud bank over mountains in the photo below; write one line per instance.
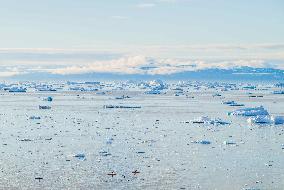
(150, 60)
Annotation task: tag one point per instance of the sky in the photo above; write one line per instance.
(66, 34)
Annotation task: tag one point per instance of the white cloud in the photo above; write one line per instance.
(150, 60)
(137, 65)
(126, 65)
(146, 5)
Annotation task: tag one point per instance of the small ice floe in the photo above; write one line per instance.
(277, 120)
(44, 107)
(256, 96)
(34, 117)
(216, 95)
(25, 140)
(201, 142)
(229, 102)
(109, 141)
(260, 119)
(104, 153)
(17, 89)
(250, 111)
(121, 97)
(267, 119)
(232, 103)
(229, 142)
(209, 121)
(278, 92)
(49, 99)
(80, 156)
(120, 106)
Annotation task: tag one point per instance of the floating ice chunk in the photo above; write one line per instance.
(215, 95)
(104, 153)
(229, 102)
(80, 156)
(44, 107)
(109, 141)
(277, 120)
(267, 119)
(207, 120)
(278, 92)
(260, 119)
(119, 106)
(236, 104)
(202, 120)
(16, 89)
(230, 142)
(201, 142)
(157, 85)
(34, 117)
(49, 99)
(122, 97)
(250, 111)
(232, 103)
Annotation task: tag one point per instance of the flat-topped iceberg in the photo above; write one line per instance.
(207, 120)
(250, 111)
(260, 119)
(267, 119)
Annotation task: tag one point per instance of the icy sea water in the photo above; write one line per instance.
(155, 141)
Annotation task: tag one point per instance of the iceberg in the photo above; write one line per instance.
(250, 111)
(267, 119)
(229, 102)
(34, 117)
(44, 107)
(260, 119)
(49, 99)
(201, 142)
(278, 92)
(232, 103)
(277, 120)
(16, 89)
(80, 156)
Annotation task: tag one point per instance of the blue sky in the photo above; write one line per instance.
(193, 29)
(87, 23)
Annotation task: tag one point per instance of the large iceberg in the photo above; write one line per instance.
(250, 111)
(267, 119)
(260, 119)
